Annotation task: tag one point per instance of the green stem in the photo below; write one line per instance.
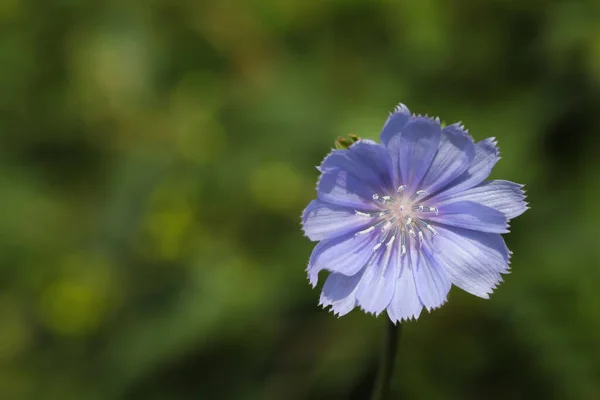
(388, 354)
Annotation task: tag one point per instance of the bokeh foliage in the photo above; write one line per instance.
(156, 157)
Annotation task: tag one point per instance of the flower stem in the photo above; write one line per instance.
(381, 389)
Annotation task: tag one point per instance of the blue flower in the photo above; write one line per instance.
(399, 222)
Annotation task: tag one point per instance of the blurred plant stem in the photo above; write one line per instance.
(381, 389)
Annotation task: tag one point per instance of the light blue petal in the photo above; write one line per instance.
(376, 288)
(322, 220)
(346, 254)
(504, 196)
(344, 189)
(339, 292)
(471, 215)
(415, 148)
(376, 158)
(431, 281)
(405, 303)
(394, 123)
(472, 260)
(455, 154)
(367, 160)
(486, 156)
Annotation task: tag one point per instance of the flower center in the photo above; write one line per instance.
(401, 217)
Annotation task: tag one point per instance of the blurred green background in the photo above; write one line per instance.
(156, 157)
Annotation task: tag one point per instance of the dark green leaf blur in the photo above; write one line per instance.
(156, 156)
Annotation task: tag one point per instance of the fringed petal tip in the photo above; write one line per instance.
(427, 118)
(376, 314)
(313, 275)
(330, 307)
(459, 128)
(333, 151)
(430, 309)
(400, 108)
(408, 318)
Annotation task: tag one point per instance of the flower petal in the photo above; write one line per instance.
(431, 281)
(486, 156)
(322, 220)
(394, 123)
(367, 160)
(345, 254)
(414, 149)
(472, 260)
(471, 215)
(405, 304)
(339, 292)
(504, 196)
(377, 286)
(344, 189)
(454, 156)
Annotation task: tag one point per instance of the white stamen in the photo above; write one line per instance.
(418, 193)
(431, 228)
(403, 242)
(389, 243)
(399, 217)
(369, 229)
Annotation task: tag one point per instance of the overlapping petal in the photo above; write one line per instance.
(394, 124)
(413, 150)
(322, 221)
(454, 156)
(471, 215)
(431, 280)
(486, 156)
(344, 189)
(367, 160)
(405, 304)
(504, 196)
(472, 260)
(339, 292)
(378, 283)
(345, 254)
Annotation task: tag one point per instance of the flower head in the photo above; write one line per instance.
(399, 222)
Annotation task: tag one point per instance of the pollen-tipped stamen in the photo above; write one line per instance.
(429, 227)
(418, 193)
(369, 229)
(403, 242)
(423, 209)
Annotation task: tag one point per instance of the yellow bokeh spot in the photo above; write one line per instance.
(169, 218)
(76, 303)
(167, 228)
(72, 308)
